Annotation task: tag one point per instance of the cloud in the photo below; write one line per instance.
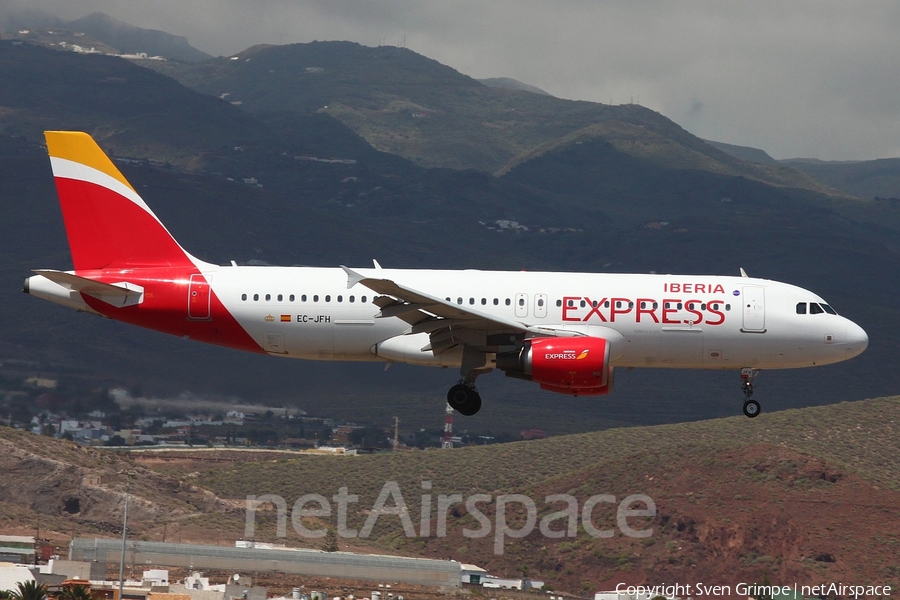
(805, 78)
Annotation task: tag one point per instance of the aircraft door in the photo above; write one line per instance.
(754, 309)
(274, 343)
(521, 305)
(198, 298)
(540, 305)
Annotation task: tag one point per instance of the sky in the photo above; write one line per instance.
(799, 78)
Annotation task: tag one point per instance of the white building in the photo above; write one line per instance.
(12, 575)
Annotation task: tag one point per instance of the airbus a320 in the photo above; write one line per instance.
(567, 332)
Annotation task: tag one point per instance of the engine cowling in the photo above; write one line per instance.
(577, 366)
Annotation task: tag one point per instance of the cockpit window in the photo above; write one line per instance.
(801, 308)
(815, 309)
(829, 310)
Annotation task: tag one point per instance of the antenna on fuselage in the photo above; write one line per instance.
(744, 273)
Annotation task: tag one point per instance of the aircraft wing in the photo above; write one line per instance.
(447, 323)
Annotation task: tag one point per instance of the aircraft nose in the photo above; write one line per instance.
(857, 340)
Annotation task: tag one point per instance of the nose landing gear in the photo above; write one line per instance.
(748, 376)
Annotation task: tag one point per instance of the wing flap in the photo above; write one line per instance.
(431, 306)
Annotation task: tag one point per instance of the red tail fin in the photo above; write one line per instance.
(107, 222)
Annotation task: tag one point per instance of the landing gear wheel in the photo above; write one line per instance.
(751, 408)
(464, 399)
(748, 377)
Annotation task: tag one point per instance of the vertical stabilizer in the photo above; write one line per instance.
(107, 222)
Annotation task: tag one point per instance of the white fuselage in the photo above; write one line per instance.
(651, 320)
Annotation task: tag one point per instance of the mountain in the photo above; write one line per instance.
(512, 84)
(869, 179)
(133, 40)
(100, 32)
(410, 105)
(744, 152)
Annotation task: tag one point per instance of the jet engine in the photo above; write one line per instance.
(577, 366)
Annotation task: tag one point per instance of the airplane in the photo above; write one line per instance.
(567, 332)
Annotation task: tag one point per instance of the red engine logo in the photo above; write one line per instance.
(578, 366)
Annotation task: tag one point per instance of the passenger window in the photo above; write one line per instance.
(243, 296)
(643, 305)
(631, 305)
(829, 310)
(340, 298)
(559, 303)
(459, 300)
(352, 299)
(522, 302)
(801, 308)
(315, 298)
(815, 309)
(618, 304)
(582, 304)
(280, 297)
(303, 298)
(540, 302)
(655, 305)
(471, 300)
(727, 307)
(606, 304)
(363, 299)
(268, 297)
(679, 306)
(703, 306)
(483, 301)
(571, 303)
(496, 302)
(291, 298)
(327, 297)
(508, 302)
(256, 297)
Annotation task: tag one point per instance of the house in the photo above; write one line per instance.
(17, 549)
(12, 575)
(472, 574)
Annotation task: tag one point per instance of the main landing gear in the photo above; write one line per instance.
(464, 398)
(748, 376)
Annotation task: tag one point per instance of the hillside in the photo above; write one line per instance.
(129, 39)
(407, 104)
(97, 32)
(869, 179)
(801, 495)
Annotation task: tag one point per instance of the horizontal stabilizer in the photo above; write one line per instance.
(119, 294)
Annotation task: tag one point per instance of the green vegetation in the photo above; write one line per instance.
(30, 590)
